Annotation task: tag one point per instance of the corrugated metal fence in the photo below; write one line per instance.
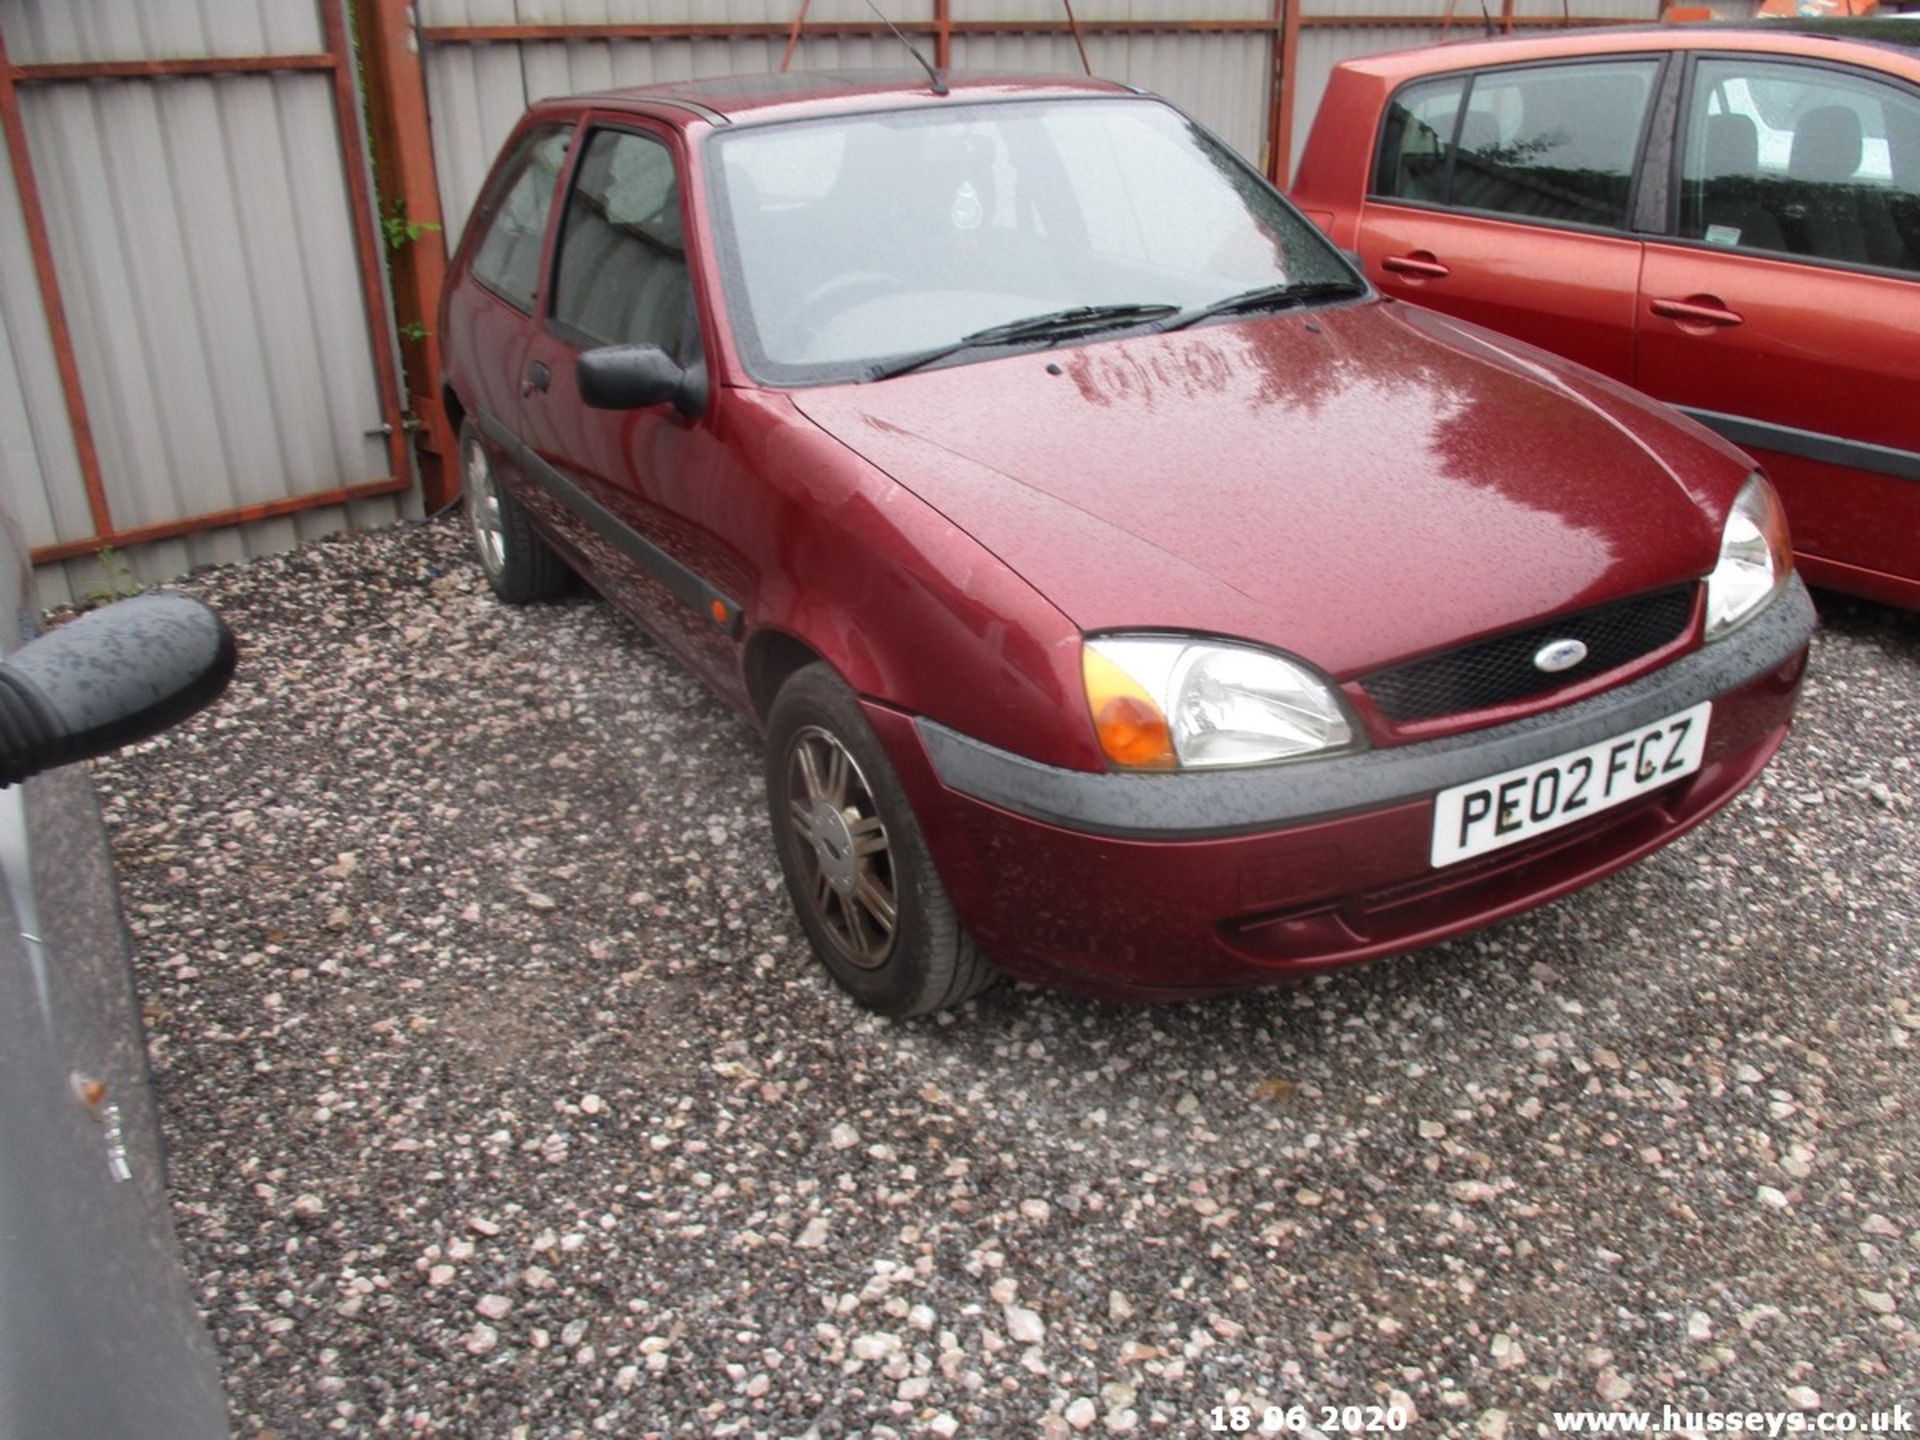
(193, 322)
(1224, 61)
(486, 59)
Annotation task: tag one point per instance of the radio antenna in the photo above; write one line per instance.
(939, 85)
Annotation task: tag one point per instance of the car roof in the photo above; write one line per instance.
(1894, 38)
(790, 95)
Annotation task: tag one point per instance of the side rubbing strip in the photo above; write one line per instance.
(1811, 444)
(686, 586)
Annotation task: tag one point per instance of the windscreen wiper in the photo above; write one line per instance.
(1066, 324)
(1267, 297)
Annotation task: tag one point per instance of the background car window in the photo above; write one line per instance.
(623, 252)
(1802, 160)
(1553, 142)
(507, 259)
(1417, 141)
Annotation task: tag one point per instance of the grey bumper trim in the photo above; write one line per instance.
(1200, 804)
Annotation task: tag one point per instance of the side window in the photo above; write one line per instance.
(507, 259)
(1417, 141)
(623, 254)
(1802, 160)
(1553, 143)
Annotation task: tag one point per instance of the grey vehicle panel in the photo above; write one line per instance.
(99, 1336)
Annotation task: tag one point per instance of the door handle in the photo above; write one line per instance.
(1420, 264)
(538, 378)
(1697, 310)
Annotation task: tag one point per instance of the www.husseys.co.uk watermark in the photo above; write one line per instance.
(1675, 1420)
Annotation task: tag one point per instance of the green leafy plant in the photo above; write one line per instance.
(119, 577)
(402, 231)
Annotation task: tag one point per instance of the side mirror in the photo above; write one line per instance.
(114, 676)
(631, 377)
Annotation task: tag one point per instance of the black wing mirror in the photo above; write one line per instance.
(114, 676)
(631, 377)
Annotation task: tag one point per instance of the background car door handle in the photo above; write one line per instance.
(1419, 263)
(1697, 310)
(538, 378)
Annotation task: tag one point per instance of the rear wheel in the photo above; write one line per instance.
(855, 861)
(518, 564)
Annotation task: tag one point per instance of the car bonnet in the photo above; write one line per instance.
(1352, 484)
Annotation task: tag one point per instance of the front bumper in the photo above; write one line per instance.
(1186, 883)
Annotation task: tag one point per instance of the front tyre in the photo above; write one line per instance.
(518, 564)
(854, 858)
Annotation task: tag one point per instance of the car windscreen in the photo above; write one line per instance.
(850, 241)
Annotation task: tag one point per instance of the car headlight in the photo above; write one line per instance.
(1756, 559)
(1167, 702)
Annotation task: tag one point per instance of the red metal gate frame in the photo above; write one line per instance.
(337, 60)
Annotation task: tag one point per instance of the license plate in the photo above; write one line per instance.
(1515, 805)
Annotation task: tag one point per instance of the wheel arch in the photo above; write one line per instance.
(772, 657)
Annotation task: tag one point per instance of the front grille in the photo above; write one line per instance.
(1501, 670)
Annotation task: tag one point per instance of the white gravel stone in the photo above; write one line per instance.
(1024, 1326)
(1265, 1181)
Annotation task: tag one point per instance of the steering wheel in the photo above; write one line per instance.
(834, 295)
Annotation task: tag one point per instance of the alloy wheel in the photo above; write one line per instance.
(844, 854)
(483, 511)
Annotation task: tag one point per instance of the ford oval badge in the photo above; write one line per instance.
(1558, 655)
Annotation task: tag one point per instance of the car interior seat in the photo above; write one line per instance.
(1727, 204)
(1822, 217)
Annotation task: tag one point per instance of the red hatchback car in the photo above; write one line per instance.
(1725, 217)
(1128, 592)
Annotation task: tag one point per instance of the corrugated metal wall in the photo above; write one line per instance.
(477, 90)
(206, 255)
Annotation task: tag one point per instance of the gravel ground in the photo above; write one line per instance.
(505, 1100)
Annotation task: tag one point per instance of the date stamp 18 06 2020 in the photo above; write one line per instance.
(1304, 1419)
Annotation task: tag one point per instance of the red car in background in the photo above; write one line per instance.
(1724, 216)
(1131, 597)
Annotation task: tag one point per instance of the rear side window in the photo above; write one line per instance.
(623, 253)
(1555, 142)
(1416, 147)
(514, 216)
(1802, 160)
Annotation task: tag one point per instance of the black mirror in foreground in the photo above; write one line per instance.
(114, 676)
(629, 377)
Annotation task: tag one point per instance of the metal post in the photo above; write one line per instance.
(366, 234)
(1286, 69)
(48, 280)
(403, 163)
